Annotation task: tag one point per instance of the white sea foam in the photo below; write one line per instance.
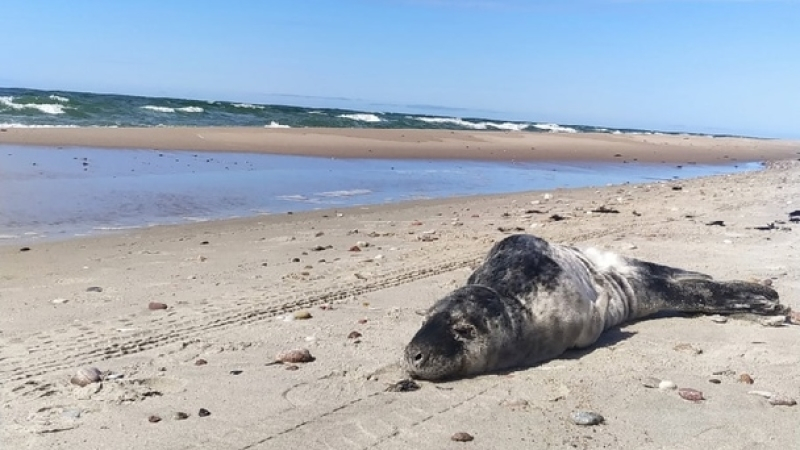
(554, 128)
(274, 124)
(59, 98)
(164, 109)
(191, 109)
(509, 126)
(361, 117)
(247, 106)
(46, 108)
(293, 198)
(22, 125)
(346, 193)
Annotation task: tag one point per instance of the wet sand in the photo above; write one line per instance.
(229, 286)
(419, 144)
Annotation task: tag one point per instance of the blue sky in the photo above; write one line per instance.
(729, 66)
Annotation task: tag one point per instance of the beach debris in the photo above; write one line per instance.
(557, 218)
(746, 379)
(180, 415)
(716, 223)
(718, 319)
(780, 400)
(586, 418)
(605, 210)
(320, 248)
(203, 412)
(154, 306)
(666, 385)
(25, 249)
(693, 395)
(236, 372)
(154, 419)
(651, 382)
(794, 216)
(94, 289)
(59, 301)
(677, 188)
(86, 376)
(714, 380)
(355, 248)
(354, 335)
(200, 362)
(298, 355)
(362, 321)
(461, 436)
(765, 394)
(303, 314)
(773, 321)
(406, 385)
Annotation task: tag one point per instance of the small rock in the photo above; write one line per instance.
(295, 259)
(319, 234)
(403, 386)
(767, 282)
(180, 416)
(292, 367)
(204, 243)
(303, 314)
(651, 382)
(25, 249)
(153, 306)
(72, 413)
(94, 289)
(299, 355)
(780, 400)
(60, 301)
(154, 419)
(461, 437)
(203, 412)
(586, 418)
(200, 362)
(362, 321)
(690, 394)
(714, 380)
(354, 335)
(355, 248)
(746, 379)
(667, 385)
(236, 372)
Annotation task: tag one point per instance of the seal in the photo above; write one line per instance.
(530, 301)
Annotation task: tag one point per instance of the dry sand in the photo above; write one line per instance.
(229, 284)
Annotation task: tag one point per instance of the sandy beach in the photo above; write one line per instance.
(230, 288)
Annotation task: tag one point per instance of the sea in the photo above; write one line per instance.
(49, 193)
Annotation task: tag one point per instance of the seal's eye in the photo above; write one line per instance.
(464, 331)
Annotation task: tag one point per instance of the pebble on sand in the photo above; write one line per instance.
(203, 412)
(86, 376)
(154, 306)
(586, 418)
(94, 289)
(303, 314)
(746, 379)
(651, 382)
(299, 355)
(154, 419)
(461, 436)
(780, 400)
(180, 416)
(690, 394)
(667, 385)
(354, 335)
(200, 362)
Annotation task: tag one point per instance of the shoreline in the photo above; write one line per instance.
(418, 144)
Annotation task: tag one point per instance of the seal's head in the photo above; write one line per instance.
(465, 333)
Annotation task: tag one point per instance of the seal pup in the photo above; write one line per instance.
(530, 301)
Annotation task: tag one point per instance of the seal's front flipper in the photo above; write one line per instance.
(726, 297)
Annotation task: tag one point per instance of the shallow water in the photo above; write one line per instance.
(49, 193)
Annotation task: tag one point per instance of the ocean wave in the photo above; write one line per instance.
(59, 98)
(47, 108)
(167, 109)
(247, 106)
(361, 117)
(293, 198)
(485, 125)
(345, 193)
(554, 128)
(274, 124)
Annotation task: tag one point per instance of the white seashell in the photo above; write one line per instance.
(667, 385)
(86, 376)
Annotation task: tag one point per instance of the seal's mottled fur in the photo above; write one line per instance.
(531, 300)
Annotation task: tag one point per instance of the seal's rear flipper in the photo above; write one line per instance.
(726, 297)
